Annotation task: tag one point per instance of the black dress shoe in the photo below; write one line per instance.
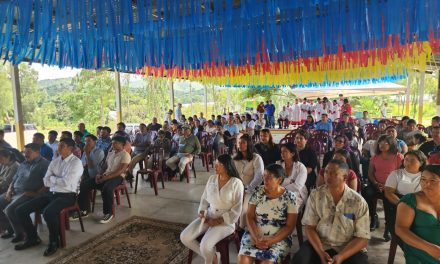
(51, 249)
(28, 244)
(17, 238)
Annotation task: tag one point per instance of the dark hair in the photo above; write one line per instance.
(433, 168)
(68, 141)
(33, 146)
(436, 118)
(78, 133)
(342, 165)
(411, 121)
(345, 101)
(420, 156)
(421, 138)
(266, 130)
(249, 151)
(404, 118)
(391, 141)
(122, 124)
(142, 124)
(121, 139)
(382, 121)
(276, 170)
(226, 161)
(92, 137)
(345, 140)
(313, 120)
(7, 154)
(304, 133)
(248, 116)
(346, 155)
(2, 132)
(53, 132)
(67, 133)
(391, 127)
(39, 135)
(106, 128)
(99, 127)
(292, 149)
(161, 132)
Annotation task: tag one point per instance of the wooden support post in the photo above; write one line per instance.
(18, 109)
(421, 97)
(408, 93)
(206, 101)
(118, 97)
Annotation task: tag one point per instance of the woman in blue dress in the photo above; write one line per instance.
(271, 218)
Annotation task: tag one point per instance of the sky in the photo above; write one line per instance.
(53, 72)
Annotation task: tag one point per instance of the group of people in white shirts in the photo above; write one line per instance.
(297, 113)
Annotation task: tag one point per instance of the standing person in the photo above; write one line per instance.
(154, 126)
(220, 208)
(336, 222)
(383, 111)
(417, 220)
(304, 110)
(283, 120)
(296, 173)
(307, 157)
(268, 150)
(340, 102)
(178, 114)
(270, 111)
(53, 143)
(319, 109)
(362, 122)
(386, 160)
(167, 116)
(335, 110)
(202, 119)
(346, 108)
(83, 130)
(62, 179)
(260, 111)
(312, 108)
(296, 113)
(250, 167)
(271, 219)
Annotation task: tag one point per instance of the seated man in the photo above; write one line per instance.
(76, 150)
(189, 146)
(116, 163)
(324, 124)
(120, 127)
(62, 179)
(433, 144)
(45, 151)
(164, 143)
(435, 121)
(104, 141)
(141, 143)
(3, 143)
(53, 142)
(336, 222)
(26, 184)
(230, 134)
(154, 126)
(283, 120)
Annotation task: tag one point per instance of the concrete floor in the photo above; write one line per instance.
(177, 203)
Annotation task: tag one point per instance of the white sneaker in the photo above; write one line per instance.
(106, 218)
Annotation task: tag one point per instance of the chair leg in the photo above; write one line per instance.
(193, 169)
(187, 173)
(190, 256)
(62, 220)
(118, 197)
(93, 200)
(67, 222)
(161, 177)
(128, 197)
(81, 223)
(153, 181)
(392, 252)
(206, 157)
(223, 248)
(136, 183)
(114, 207)
(212, 161)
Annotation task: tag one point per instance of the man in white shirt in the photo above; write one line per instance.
(53, 143)
(178, 113)
(62, 179)
(383, 110)
(341, 100)
(304, 110)
(319, 108)
(283, 119)
(312, 109)
(296, 113)
(202, 119)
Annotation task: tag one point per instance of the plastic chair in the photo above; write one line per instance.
(206, 154)
(222, 246)
(154, 173)
(65, 224)
(121, 188)
(186, 172)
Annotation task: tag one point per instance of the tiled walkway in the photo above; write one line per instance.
(177, 203)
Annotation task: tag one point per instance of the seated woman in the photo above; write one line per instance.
(415, 141)
(351, 180)
(271, 219)
(417, 220)
(250, 168)
(309, 124)
(296, 173)
(307, 157)
(342, 142)
(219, 210)
(345, 124)
(401, 182)
(268, 150)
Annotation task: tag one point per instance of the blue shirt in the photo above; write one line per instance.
(104, 144)
(97, 156)
(270, 109)
(29, 176)
(232, 129)
(400, 144)
(46, 152)
(324, 126)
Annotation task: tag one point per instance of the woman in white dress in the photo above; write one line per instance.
(296, 173)
(220, 208)
(250, 167)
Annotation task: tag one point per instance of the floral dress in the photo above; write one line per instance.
(271, 216)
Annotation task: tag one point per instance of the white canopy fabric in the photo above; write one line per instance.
(350, 91)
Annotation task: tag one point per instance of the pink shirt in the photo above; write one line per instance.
(383, 167)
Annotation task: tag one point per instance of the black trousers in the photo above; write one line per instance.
(283, 123)
(308, 255)
(50, 204)
(107, 191)
(371, 194)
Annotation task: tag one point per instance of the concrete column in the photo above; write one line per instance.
(408, 93)
(118, 97)
(206, 101)
(438, 96)
(421, 95)
(171, 84)
(18, 110)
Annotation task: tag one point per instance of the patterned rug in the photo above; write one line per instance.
(136, 240)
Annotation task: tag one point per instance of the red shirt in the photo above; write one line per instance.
(383, 167)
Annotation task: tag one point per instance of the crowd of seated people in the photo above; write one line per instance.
(336, 192)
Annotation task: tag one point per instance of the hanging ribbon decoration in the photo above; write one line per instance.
(253, 43)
